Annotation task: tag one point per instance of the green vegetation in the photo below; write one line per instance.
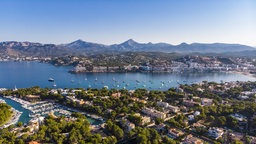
(120, 106)
(119, 59)
(5, 113)
(59, 130)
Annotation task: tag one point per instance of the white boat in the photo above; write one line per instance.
(51, 80)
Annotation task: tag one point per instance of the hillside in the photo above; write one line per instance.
(81, 48)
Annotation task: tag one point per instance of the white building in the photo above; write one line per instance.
(191, 117)
(215, 132)
(154, 113)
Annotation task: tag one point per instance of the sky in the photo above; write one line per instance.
(115, 21)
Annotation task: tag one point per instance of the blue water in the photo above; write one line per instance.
(24, 118)
(28, 74)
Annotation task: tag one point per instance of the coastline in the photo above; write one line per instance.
(244, 73)
(27, 105)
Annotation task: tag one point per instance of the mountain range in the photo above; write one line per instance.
(80, 47)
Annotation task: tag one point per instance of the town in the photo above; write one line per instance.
(206, 112)
(136, 62)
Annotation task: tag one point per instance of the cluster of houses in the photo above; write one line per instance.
(165, 111)
(149, 114)
(187, 64)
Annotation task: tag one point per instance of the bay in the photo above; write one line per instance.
(28, 74)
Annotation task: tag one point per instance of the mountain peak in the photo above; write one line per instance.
(183, 43)
(78, 41)
(130, 42)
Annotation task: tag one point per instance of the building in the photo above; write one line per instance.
(77, 101)
(191, 117)
(53, 91)
(215, 132)
(196, 113)
(116, 95)
(32, 98)
(206, 102)
(160, 127)
(174, 109)
(235, 136)
(189, 103)
(33, 142)
(174, 133)
(128, 125)
(239, 117)
(35, 123)
(163, 104)
(145, 120)
(154, 113)
(190, 139)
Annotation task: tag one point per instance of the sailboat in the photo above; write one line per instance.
(15, 88)
(51, 80)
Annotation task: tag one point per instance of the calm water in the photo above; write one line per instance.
(27, 74)
(24, 118)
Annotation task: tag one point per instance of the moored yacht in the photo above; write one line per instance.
(51, 80)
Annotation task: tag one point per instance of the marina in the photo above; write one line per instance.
(29, 110)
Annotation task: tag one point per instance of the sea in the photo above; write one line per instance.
(27, 74)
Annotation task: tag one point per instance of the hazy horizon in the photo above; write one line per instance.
(127, 40)
(113, 22)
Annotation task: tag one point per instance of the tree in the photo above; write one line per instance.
(135, 119)
(19, 124)
(221, 121)
(167, 140)
(109, 140)
(114, 129)
(158, 121)
(142, 139)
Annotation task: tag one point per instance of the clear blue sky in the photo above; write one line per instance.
(114, 21)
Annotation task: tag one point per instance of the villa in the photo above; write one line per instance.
(174, 133)
(215, 132)
(190, 139)
(154, 113)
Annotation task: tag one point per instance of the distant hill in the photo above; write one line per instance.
(13, 48)
(80, 47)
(131, 45)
